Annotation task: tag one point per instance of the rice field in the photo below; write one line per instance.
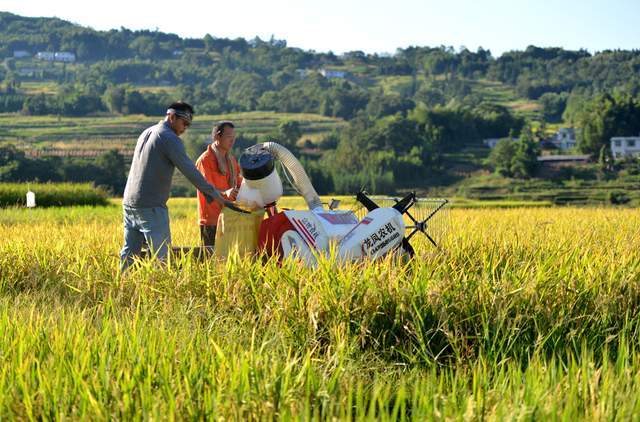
(526, 313)
(52, 194)
(112, 131)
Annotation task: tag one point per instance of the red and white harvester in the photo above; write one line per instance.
(308, 234)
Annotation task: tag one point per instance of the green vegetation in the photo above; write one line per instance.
(623, 190)
(526, 313)
(607, 116)
(511, 319)
(112, 131)
(130, 72)
(52, 194)
(516, 159)
(106, 171)
(415, 119)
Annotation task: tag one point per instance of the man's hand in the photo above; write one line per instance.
(224, 203)
(231, 193)
(233, 206)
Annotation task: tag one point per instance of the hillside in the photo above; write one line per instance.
(223, 75)
(415, 119)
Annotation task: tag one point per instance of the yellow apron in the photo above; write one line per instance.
(237, 230)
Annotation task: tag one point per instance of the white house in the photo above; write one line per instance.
(564, 139)
(625, 145)
(46, 55)
(64, 56)
(333, 74)
(58, 56)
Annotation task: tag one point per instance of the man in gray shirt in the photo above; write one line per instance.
(158, 151)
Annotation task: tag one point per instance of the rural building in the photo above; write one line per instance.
(564, 139)
(622, 146)
(333, 74)
(46, 55)
(64, 56)
(59, 56)
(21, 54)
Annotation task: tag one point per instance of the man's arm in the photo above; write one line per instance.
(174, 149)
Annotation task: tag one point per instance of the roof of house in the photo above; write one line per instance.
(623, 138)
(556, 158)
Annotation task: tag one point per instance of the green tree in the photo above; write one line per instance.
(245, 89)
(287, 134)
(501, 157)
(605, 117)
(11, 164)
(208, 42)
(114, 98)
(525, 160)
(38, 105)
(134, 102)
(553, 105)
(111, 172)
(145, 46)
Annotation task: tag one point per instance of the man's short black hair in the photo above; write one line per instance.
(218, 129)
(183, 107)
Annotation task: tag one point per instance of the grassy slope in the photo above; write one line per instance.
(559, 192)
(490, 91)
(104, 132)
(512, 319)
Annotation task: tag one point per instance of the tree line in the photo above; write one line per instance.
(238, 75)
(107, 171)
(394, 131)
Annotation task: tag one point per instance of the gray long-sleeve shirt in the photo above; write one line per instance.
(158, 152)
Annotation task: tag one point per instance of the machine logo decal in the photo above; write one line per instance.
(381, 238)
(309, 235)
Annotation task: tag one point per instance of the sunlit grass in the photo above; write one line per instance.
(51, 194)
(35, 88)
(523, 314)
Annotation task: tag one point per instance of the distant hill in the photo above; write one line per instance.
(411, 119)
(243, 75)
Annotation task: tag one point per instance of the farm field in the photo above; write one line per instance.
(526, 313)
(107, 132)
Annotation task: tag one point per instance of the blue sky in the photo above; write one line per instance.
(368, 25)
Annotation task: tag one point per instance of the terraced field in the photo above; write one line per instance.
(121, 132)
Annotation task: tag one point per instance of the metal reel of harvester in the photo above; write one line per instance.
(425, 210)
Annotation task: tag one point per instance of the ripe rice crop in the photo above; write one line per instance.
(523, 313)
(52, 194)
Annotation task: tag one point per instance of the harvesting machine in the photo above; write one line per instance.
(377, 229)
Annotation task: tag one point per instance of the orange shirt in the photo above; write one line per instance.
(208, 166)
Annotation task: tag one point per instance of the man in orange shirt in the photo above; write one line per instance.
(221, 169)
